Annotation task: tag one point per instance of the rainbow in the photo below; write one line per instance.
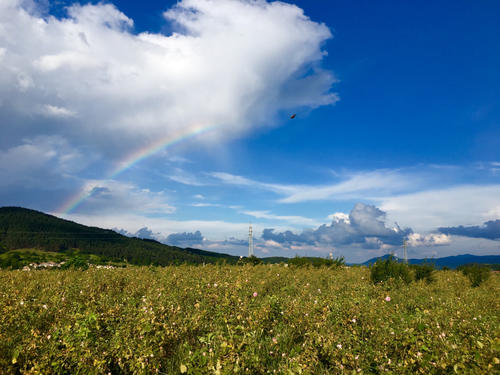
(132, 159)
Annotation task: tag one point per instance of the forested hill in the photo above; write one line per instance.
(22, 228)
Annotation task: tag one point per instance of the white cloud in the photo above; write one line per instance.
(453, 206)
(357, 185)
(353, 186)
(406, 196)
(56, 111)
(365, 225)
(230, 63)
(40, 162)
(295, 220)
(431, 239)
(339, 216)
(181, 176)
(215, 231)
(205, 205)
(106, 197)
(132, 222)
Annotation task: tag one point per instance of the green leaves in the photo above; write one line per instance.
(476, 273)
(390, 269)
(204, 320)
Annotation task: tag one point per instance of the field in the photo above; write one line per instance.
(245, 319)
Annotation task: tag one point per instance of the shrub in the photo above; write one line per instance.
(253, 260)
(337, 262)
(475, 273)
(76, 263)
(316, 262)
(424, 271)
(390, 268)
(299, 262)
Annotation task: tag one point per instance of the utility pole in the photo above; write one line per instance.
(250, 241)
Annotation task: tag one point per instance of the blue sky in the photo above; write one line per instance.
(397, 133)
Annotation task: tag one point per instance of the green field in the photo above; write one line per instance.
(245, 319)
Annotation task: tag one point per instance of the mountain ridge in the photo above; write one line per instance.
(26, 228)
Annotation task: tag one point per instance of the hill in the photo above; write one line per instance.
(22, 228)
(450, 262)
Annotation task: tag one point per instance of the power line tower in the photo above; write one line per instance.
(405, 251)
(250, 241)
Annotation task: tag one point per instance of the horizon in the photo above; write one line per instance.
(323, 256)
(174, 121)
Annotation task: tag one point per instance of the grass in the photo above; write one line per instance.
(245, 319)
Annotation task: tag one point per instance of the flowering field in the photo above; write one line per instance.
(245, 319)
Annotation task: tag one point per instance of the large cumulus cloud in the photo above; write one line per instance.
(91, 79)
(365, 226)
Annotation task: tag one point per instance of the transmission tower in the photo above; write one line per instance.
(250, 241)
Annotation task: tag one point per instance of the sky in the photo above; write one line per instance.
(172, 120)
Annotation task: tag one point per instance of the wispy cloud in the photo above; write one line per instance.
(116, 197)
(231, 179)
(357, 185)
(55, 111)
(352, 186)
(296, 220)
(181, 176)
(452, 206)
(423, 198)
(206, 205)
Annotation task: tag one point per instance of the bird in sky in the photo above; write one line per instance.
(293, 116)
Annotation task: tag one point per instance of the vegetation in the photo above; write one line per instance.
(424, 271)
(17, 259)
(253, 260)
(390, 269)
(21, 228)
(476, 273)
(248, 319)
(274, 260)
(316, 262)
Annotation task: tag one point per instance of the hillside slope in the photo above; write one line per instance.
(450, 262)
(22, 228)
